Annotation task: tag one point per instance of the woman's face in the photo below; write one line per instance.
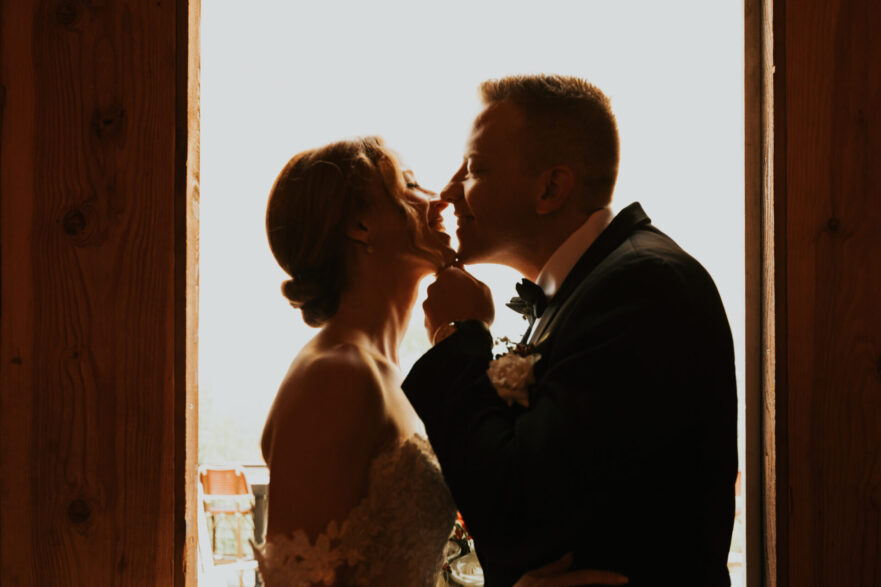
(428, 230)
(414, 227)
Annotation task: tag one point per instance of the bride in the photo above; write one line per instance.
(356, 494)
(357, 497)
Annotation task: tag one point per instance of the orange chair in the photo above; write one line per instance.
(224, 489)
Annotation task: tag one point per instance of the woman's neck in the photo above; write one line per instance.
(374, 312)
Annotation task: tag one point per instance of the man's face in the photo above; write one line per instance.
(492, 192)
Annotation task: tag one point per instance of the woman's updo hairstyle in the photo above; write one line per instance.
(313, 200)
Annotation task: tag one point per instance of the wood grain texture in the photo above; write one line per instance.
(186, 257)
(16, 292)
(774, 297)
(832, 125)
(759, 388)
(87, 323)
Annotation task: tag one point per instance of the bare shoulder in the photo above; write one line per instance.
(325, 427)
(336, 388)
(342, 375)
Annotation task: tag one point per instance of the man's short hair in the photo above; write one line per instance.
(568, 121)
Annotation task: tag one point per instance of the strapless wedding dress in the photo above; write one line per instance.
(395, 536)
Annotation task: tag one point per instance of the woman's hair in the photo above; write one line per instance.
(315, 197)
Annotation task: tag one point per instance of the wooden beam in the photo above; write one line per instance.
(830, 126)
(758, 394)
(90, 298)
(774, 319)
(186, 257)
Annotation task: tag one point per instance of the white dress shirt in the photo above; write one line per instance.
(560, 264)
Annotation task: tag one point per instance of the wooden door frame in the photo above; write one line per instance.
(186, 289)
(763, 262)
(765, 318)
(98, 176)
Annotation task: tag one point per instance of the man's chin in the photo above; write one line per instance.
(468, 256)
(476, 250)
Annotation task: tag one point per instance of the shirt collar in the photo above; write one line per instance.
(558, 266)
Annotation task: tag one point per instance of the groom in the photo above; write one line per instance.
(625, 455)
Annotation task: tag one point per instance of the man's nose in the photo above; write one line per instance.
(452, 192)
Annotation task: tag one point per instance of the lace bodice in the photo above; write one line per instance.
(395, 536)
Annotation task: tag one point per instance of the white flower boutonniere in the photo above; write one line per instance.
(512, 373)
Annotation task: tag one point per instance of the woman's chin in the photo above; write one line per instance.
(440, 259)
(449, 256)
(439, 252)
(444, 254)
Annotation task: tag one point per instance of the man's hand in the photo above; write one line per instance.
(456, 295)
(556, 575)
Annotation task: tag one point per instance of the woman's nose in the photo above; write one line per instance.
(438, 205)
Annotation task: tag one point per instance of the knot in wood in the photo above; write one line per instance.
(74, 222)
(80, 222)
(108, 122)
(66, 13)
(861, 119)
(79, 511)
(833, 224)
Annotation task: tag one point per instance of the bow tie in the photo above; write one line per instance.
(531, 303)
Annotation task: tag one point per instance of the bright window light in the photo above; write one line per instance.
(279, 77)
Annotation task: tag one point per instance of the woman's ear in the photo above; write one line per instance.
(559, 182)
(359, 232)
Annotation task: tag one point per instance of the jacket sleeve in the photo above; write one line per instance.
(595, 415)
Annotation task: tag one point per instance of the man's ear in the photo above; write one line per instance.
(358, 232)
(559, 183)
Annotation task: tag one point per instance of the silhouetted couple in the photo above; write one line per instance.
(602, 449)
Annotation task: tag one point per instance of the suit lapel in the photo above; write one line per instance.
(619, 230)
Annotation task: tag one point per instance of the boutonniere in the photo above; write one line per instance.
(511, 373)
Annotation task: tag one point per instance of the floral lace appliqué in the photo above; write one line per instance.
(394, 536)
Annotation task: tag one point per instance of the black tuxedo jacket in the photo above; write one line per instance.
(627, 454)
